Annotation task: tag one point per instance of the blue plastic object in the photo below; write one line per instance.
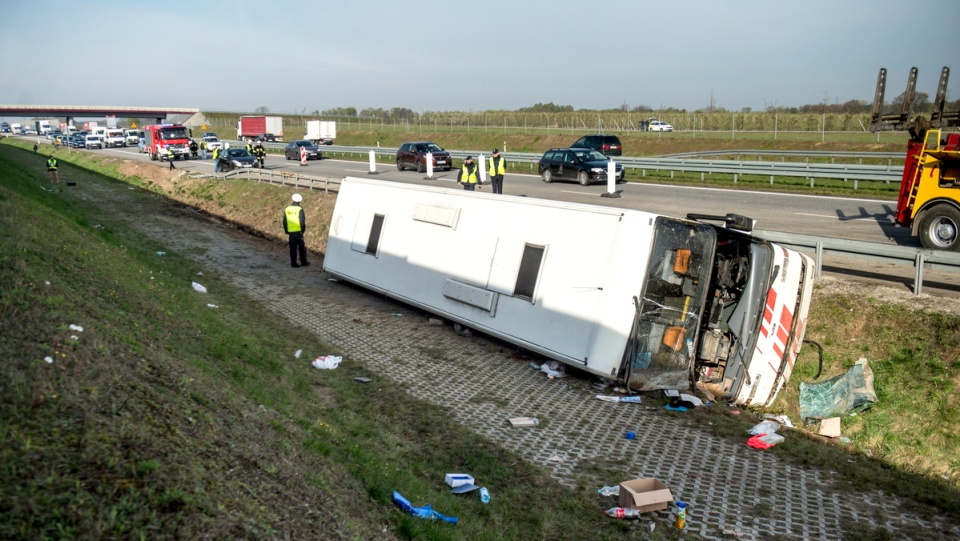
(425, 512)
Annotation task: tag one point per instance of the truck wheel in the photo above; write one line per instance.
(153, 157)
(399, 164)
(547, 175)
(940, 228)
(583, 178)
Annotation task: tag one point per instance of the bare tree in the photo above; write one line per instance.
(262, 110)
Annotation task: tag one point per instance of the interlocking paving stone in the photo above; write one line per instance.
(729, 487)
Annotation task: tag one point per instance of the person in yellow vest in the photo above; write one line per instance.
(295, 225)
(497, 168)
(469, 175)
(52, 169)
(171, 156)
(216, 159)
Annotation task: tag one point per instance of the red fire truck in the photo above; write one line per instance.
(159, 137)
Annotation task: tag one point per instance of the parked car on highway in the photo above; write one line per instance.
(659, 125)
(236, 158)
(212, 142)
(266, 138)
(92, 141)
(209, 134)
(608, 145)
(583, 165)
(415, 155)
(292, 150)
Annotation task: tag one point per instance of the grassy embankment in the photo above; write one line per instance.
(151, 421)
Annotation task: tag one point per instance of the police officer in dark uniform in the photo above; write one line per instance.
(469, 175)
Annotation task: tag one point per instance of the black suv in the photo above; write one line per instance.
(608, 145)
(584, 165)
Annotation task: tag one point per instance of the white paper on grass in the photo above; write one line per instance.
(327, 362)
(198, 287)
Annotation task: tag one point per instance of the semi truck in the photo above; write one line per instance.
(42, 126)
(16, 129)
(929, 198)
(653, 301)
(321, 131)
(251, 127)
(157, 138)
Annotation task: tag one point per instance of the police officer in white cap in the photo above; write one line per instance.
(294, 225)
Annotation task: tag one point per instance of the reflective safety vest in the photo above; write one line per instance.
(51, 164)
(170, 152)
(494, 170)
(216, 153)
(467, 176)
(293, 218)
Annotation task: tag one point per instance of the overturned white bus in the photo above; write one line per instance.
(654, 301)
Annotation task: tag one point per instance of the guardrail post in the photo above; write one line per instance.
(734, 178)
(771, 180)
(918, 274)
(811, 182)
(855, 183)
(819, 261)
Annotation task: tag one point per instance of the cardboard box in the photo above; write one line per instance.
(647, 494)
(457, 479)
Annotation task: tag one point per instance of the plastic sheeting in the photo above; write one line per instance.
(840, 395)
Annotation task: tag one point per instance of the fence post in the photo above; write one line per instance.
(918, 275)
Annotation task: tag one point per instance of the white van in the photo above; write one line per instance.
(113, 137)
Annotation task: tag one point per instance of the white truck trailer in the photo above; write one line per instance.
(653, 301)
(321, 132)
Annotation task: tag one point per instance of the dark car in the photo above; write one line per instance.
(608, 145)
(267, 138)
(292, 150)
(415, 155)
(236, 158)
(583, 165)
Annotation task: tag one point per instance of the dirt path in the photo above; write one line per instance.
(744, 493)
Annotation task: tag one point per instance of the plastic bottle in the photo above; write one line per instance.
(609, 491)
(680, 519)
(622, 512)
(484, 495)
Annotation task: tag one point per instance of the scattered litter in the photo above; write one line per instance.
(77, 328)
(458, 479)
(46, 282)
(782, 419)
(765, 441)
(98, 226)
(675, 408)
(212, 306)
(645, 495)
(435, 321)
(550, 372)
(199, 287)
(609, 491)
(622, 512)
(161, 253)
(332, 280)
(830, 428)
(397, 314)
(425, 512)
(463, 489)
(524, 421)
(199, 273)
(845, 394)
(735, 412)
(651, 526)
(484, 495)
(732, 533)
(672, 393)
(630, 435)
(844, 439)
(327, 362)
(362, 379)
(49, 359)
(555, 459)
(296, 354)
(764, 427)
(74, 337)
(635, 399)
(691, 399)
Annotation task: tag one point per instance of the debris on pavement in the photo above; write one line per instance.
(524, 421)
(845, 394)
(327, 362)
(425, 512)
(634, 399)
(609, 491)
(782, 419)
(463, 489)
(764, 427)
(457, 479)
(362, 379)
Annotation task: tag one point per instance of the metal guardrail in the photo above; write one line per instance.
(820, 247)
(283, 178)
(833, 155)
(846, 172)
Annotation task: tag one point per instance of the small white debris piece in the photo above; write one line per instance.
(74, 327)
(74, 337)
(46, 282)
(296, 354)
(327, 362)
(161, 253)
(199, 287)
(213, 306)
(49, 359)
(199, 274)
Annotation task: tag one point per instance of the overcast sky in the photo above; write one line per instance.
(469, 56)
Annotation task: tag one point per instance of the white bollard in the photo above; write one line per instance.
(429, 165)
(483, 169)
(373, 163)
(611, 176)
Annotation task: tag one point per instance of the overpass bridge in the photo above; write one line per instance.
(69, 112)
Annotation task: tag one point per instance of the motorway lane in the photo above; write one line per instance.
(841, 217)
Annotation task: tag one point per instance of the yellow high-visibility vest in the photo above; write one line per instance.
(293, 218)
(495, 170)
